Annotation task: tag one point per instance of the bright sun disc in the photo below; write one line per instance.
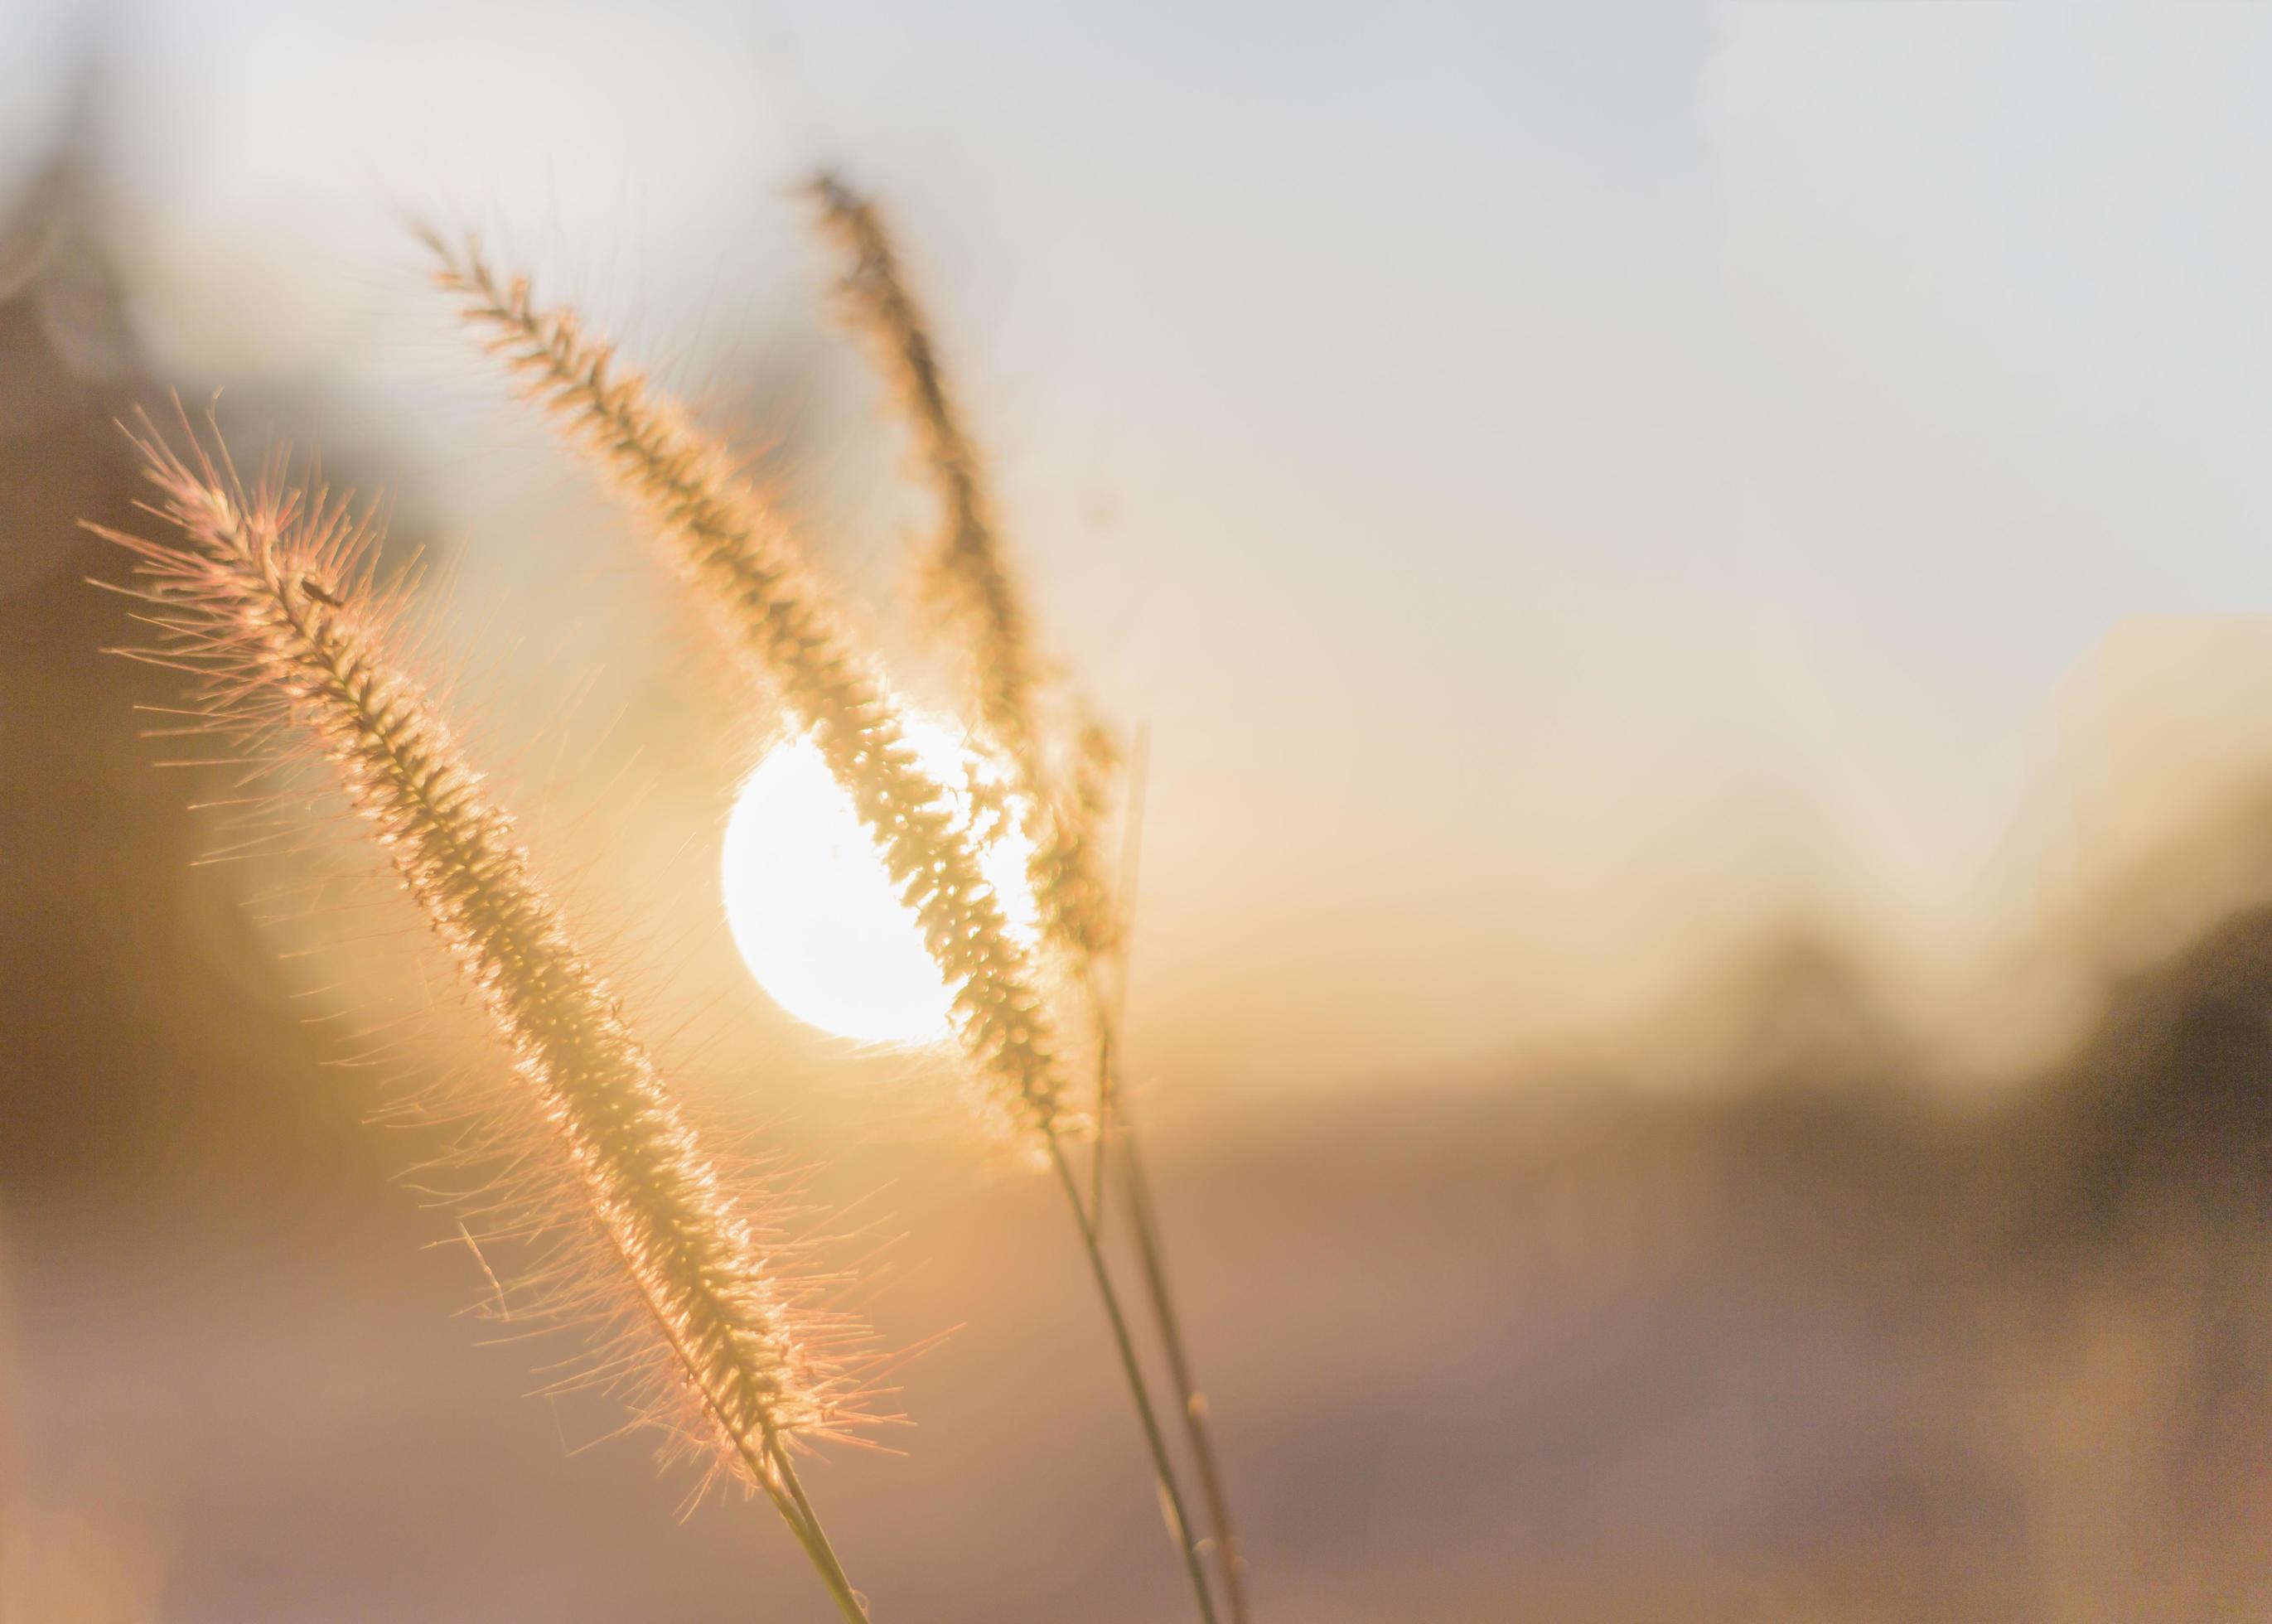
(813, 906)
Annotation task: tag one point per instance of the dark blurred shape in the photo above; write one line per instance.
(2168, 1116)
(141, 1029)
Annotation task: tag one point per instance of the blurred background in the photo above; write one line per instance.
(1694, 575)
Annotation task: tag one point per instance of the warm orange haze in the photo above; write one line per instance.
(994, 813)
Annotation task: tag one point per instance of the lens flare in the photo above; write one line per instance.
(813, 906)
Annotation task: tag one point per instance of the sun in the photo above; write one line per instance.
(813, 906)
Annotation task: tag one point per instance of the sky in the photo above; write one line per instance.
(1558, 485)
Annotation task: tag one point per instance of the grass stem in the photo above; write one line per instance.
(1144, 1221)
(1155, 1439)
(789, 1499)
(1116, 1127)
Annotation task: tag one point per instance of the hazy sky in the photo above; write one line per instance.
(1558, 481)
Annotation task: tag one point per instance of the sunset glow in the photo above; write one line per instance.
(813, 907)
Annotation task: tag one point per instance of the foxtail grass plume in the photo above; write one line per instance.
(968, 576)
(742, 561)
(268, 599)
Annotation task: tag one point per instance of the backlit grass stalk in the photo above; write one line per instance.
(968, 572)
(742, 562)
(268, 599)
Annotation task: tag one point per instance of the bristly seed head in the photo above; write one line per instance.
(968, 574)
(742, 560)
(269, 601)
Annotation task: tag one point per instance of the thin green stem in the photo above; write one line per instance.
(824, 1554)
(1116, 1124)
(1144, 1221)
(1107, 1066)
(1153, 1438)
(779, 1479)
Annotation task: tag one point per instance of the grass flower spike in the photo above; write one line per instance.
(741, 561)
(267, 597)
(968, 575)
(745, 565)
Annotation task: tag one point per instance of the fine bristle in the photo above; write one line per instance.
(267, 597)
(741, 559)
(967, 573)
